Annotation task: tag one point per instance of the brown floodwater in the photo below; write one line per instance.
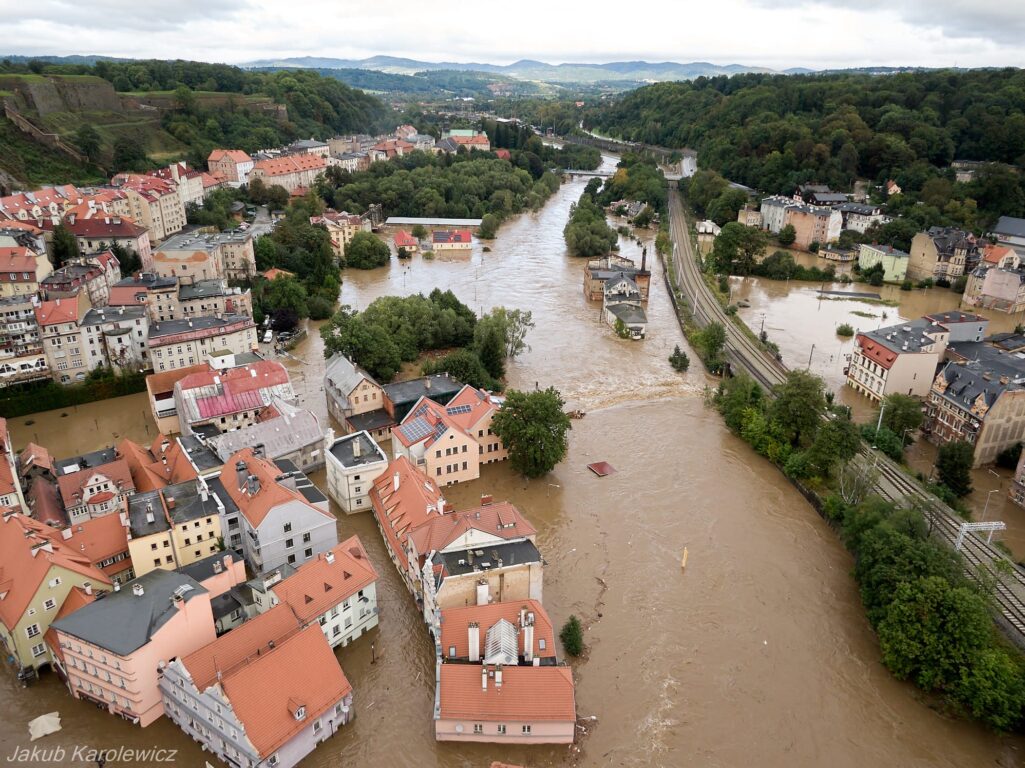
(758, 654)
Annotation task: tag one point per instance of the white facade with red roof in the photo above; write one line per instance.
(342, 227)
(265, 694)
(233, 165)
(40, 203)
(63, 339)
(95, 230)
(21, 270)
(289, 171)
(451, 240)
(153, 203)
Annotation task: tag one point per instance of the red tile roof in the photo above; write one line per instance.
(28, 550)
(17, 260)
(320, 585)
(451, 236)
(401, 511)
(281, 166)
(405, 240)
(56, 312)
(455, 623)
(270, 494)
(302, 671)
(992, 254)
(162, 464)
(240, 388)
(528, 694)
(71, 485)
(240, 646)
(45, 503)
(502, 520)
(99, 539)
(273, 273)
(876, 352)
(104, 225)
(237, 155)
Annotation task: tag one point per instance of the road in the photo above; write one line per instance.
(983, 562)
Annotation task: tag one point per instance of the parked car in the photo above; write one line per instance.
(285, 335)
(268, 336)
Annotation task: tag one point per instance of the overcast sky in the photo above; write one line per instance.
(769, 33)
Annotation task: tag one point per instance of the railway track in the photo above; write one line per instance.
(983, 561)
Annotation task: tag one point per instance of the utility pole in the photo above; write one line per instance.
(879, 424)
(809, 356)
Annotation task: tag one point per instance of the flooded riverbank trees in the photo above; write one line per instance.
(587, 233)
(533, 427)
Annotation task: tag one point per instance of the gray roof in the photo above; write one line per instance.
(439, 384)
(513, 553)
(370, 452)
(70, 272)
(343, 374)
(201, 570)
(947, 239)
(202, 456)
(303, 484)
(864, 210)
(148, 280)
(295, 428)
(906, 337)
(122, 622)
(188, 504)
(202, 289)
(370, 420)
(85, 461)
(225, 604)
(105, 315)
(217, 489)
(201, 323)
(203, 241)
(829, 198)
(985, 371)
(630, 314)
(1010, 226)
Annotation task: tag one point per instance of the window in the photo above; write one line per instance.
(188, 542)
(306, 538)
(451, 651)
(289, 543)
(308, 553)
(316, 726)
(38, 650)
(501, 729)
(464, 465)
(273, 760)
(478, 727)
(291, 559)
(541, 644)
(32, 630)
(526, 730)
(288, 527)
(464, 449)
(50, 604)
(166, 543)
(156, 562)
(168, 559)
(337, 630)
(55, 582)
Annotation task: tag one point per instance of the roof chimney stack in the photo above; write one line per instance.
(137, 590)
(473, 638)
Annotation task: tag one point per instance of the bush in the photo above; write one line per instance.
(876, 279)
(366, 251)
(907, 285)
(885, 440)
(572, 636)
(845, 330)
(100, 386)
(954, 465)
(926, 283)
(679, 360)
(320, 308)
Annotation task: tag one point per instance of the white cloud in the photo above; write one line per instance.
(770, 33)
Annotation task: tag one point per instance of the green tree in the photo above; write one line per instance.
(488, 227)
(419, 231)
(901, 412)
(128, 259)
(463, 365)
(992, 687)
(129, 155)
(679, 359)
(932, 631)
(836, 442)
(489, 344)
(87, 138)
(643, 219)
(572, 636)
(799, 404)
(65, 245)
(737, 248)
(736, 397)
(711, 341)
(366, 251)
(285, 293)
(533, 427)
(587, 233)
(954, 464)
(787, 235)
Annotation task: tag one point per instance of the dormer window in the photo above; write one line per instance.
(300, 713)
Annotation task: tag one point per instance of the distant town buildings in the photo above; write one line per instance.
(893, 261)
(941, 253)
(291, 172)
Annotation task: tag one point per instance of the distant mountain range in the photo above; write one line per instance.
(525, 69)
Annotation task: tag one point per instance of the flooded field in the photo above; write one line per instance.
(758, 654)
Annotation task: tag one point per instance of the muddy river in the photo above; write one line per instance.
(758, 654)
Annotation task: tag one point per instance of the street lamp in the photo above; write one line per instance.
(986, 507)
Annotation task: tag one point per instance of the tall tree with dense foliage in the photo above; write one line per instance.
(954, 466)
(88, 139)
(901, 412)
(586, 232)
(65, 245)
(533, 427)
(366, 251)
(737, 249)
(798, 406)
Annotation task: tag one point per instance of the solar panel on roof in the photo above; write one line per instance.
(416, 430)
(457, 409)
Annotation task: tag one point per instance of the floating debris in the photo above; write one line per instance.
(602, 468)
(44, 725)
(683, 562)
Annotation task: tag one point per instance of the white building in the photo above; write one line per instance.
(353, 463)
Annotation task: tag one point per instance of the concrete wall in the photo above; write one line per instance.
(541, 732)
(273, 550)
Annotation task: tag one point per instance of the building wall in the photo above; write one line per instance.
(273, 549)
(350, 487)
(541, 731)
(1002, 427)
(167, 357)
(511, 582)
(189, 266)
(188, 630)
(151, 552)
(912, 374)
(196, 539)
(894, 267)
(366, 397)
(29, 650)
(455, 458)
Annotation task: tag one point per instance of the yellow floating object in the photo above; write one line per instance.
(683, 563)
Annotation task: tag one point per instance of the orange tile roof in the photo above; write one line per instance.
(24, 565)
(270, 494)
(240, 646)
(528, 694)
(7, 483)
(319, 585)
(401, 511)
(281, 166)
(17, 259)
(301, 671)
(99, 539)
(71, 485)
(455, 623)
(480, 403)
(502, 520)
(157, 466)
(165, 380)
(232, 154)
(56, 312)
(992, 254)
(876, 352)
(273, 273)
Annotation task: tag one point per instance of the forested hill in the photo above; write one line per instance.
(167, 110)
(772, 132)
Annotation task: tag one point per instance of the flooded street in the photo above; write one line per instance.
(759, 654)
